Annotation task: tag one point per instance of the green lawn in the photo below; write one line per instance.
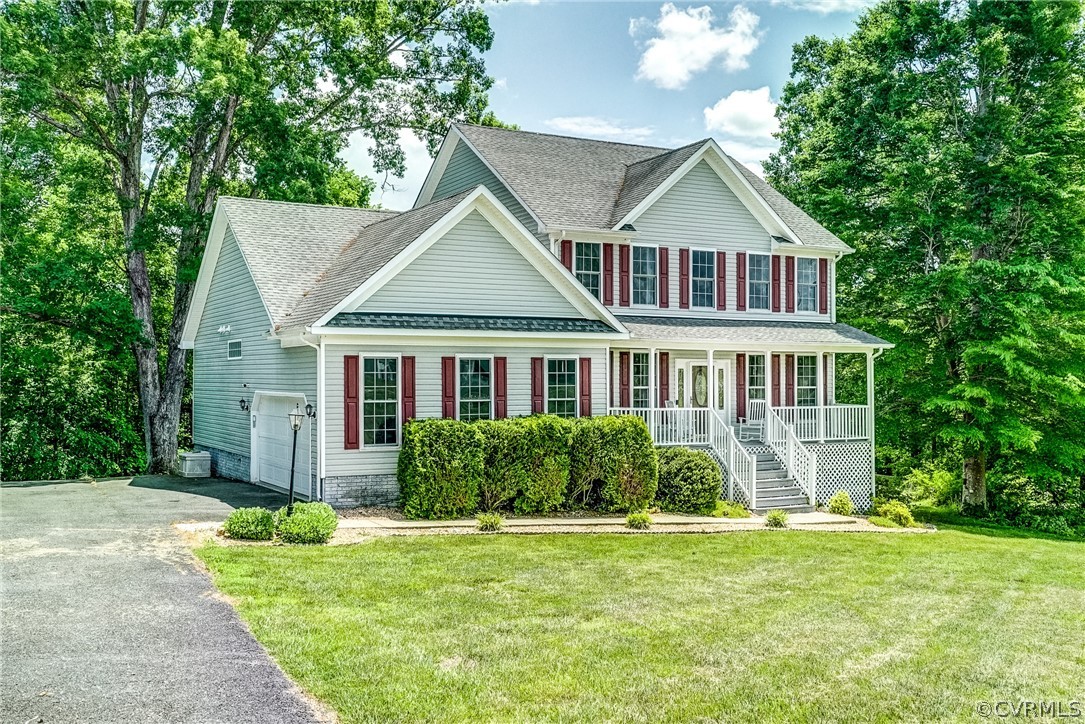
(747, 626)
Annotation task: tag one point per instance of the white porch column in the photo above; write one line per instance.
(653, 392)
(711, 380)
(870, 394)
(768, 380)
(819, 394)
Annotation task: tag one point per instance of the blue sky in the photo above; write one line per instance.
(655, 73)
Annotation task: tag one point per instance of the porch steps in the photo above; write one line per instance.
(775, 490)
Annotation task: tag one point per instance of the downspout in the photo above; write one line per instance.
(319, 419)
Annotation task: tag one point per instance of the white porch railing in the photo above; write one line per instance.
(801, 463)
(673, 425)
(828, 422)
(741, 472)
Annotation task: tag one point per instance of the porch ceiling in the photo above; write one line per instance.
(737, 333)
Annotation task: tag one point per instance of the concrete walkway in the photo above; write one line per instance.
(107, 616)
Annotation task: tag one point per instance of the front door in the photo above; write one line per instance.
(698, 387)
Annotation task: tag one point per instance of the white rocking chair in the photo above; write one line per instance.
(752, 427)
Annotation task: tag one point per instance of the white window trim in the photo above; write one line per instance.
(633, 379)
(399, 400)
(715, 302)
(749, 367)
(768, 297)
(489, 357)
(817, 379)
(601, 272)
(576, 385)
(632, 276)
(241, 347)
(817, 280)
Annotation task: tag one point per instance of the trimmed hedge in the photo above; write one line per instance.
(310, 523)
(612, 462)
(526, 463)
(440, 468)
(249, 524)
(690, 481)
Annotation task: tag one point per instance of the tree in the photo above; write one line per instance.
(946, 142)
(178, 101)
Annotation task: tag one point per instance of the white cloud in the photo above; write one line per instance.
(825, 7)
(501, 84)
(602, 128)
(391, 192)
(687, 43)
(750, 154)
(745, 113)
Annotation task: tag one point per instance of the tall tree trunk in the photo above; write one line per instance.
(974, 473)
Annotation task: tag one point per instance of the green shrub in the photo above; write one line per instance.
(440, 468)
(250, 524)
(490, 522)
(840, 503)
(729, 509)
(897, 512)
(882, 522)
(613, 462)
(689, 481)
(503, 472)
(931, 485)
(776, 519)
(544, 448)
(638, 521)
(310, 523)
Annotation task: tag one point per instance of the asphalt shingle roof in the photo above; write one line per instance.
(580, 183)
(738, 332)
(460, 322)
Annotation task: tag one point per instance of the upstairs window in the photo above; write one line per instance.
(561, 387)
(806, 287)
(702, 279)
(475, 389)
(755, 377)
(587, 265)
(641, 394)
(380, 401)
(806, 380)
(645, 275)
(233, 349)
(758, 276)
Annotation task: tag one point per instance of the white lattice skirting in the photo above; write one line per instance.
(845, 466)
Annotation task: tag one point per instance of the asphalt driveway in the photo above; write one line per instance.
(106, 616)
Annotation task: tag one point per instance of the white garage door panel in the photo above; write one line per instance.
(274, 439)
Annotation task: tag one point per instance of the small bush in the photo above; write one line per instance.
(612, 459)
(310, 523)
(897, 512)
(250, 524)
(490, 522)
(931, 485)
(689, 481)
(883, 522)
(840, 503)
(776, 519)
(440, 468)
(638, 521)
(729, 509)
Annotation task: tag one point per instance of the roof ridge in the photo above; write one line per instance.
(279, 202)
(559, 135)
(667, 152)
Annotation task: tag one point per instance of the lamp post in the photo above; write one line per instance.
(296, 418)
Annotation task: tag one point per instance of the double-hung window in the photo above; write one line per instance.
(702, 278)
(233, 349)
(806, 380)
(645, 275)
(758, 277)
(641, 389)
(755, 377)
(806, 288)
(587, 265)
(475, 388)
(561, 387)
(380, 401)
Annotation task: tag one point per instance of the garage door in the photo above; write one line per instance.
(274, 438)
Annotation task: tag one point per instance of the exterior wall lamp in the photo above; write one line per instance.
(244, 404)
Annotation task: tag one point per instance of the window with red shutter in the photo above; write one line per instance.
(501, 395)
(664, 375)
(585, 387)
(608, 275)
(776, 282)
(823, 286)
(775, 380)
(721, 280)
(740, 385)
(408, 389)
(624, 284)
(664, 277)
(789, 282)
(789, 379)
(624, 380)
(537, 381)
(567, 254)
(448, 387)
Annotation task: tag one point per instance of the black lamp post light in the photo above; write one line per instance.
(297, 417)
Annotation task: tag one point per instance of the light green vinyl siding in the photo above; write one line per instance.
(472, 269)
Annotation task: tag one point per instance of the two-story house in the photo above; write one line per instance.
(535, 273)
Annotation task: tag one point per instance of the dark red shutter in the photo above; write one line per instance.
(567, 254)
(776, 282)
(775, 380)
(408, 389)
(664, 277)
(789, 282)
(351, 416)
(623, 380)
(623, 275)
(536, 385)
(448, 387)
(789, 382)
(823, 286)
(740, 385)
(585, 386)
(608, 274)
(740, 283)
(664, 375)
(501, 387)
(721, 280)
(683, 278)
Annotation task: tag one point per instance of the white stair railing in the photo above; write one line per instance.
(741, 470)
(800, 461)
